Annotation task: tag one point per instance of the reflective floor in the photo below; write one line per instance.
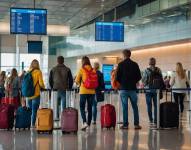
(95, 139)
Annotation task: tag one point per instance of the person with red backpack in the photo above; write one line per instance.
(88, 81)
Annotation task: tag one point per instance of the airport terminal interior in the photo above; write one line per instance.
(101, 30)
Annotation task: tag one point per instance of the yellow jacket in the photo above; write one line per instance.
(81, 76)
(38, 82)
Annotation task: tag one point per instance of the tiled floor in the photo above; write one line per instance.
(95, 139)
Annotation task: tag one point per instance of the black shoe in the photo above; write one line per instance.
(94, 123)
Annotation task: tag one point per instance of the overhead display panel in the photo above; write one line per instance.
(109, 31)
(107, 69)
(28, 21)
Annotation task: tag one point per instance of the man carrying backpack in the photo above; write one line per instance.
(61, 79)
(152, 80)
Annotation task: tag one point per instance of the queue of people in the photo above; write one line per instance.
(91, 87)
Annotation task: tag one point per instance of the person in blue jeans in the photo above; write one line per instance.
(61, 79)
(150, 93)
(128, 75)
(99, 97)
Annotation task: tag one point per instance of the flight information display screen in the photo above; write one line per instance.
(106, 69)
(28, 21)
(109, 31)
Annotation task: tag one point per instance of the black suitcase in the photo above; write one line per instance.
(169, 114)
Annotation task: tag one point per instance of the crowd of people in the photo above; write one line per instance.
(125, 79)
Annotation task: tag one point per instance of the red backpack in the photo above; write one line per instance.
(91, 81)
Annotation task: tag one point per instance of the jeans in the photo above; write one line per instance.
(94, 110)
(125, 94)
(151, 97)
(61, 100)
(33, 104)
(89, 98)
(179, 99)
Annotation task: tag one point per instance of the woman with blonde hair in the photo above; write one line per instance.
(38, 83)
(179, 80)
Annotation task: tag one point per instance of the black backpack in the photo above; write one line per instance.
(155, 79)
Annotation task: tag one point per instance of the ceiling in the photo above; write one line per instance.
(62, 12)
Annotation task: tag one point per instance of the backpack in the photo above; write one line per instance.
(155, 79)
(91, 81)
(27, 86)
(115, 84)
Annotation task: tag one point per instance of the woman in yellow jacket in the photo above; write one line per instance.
(38, 82)
(86, 95)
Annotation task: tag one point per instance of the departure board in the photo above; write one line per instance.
(109, 31)
(28, 21)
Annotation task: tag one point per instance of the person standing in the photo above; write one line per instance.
(99, 97)
(179, 80)
(2, 84)
(34, 101)
(87, 95)
(61, 79)
(149, 75)
(128, 75)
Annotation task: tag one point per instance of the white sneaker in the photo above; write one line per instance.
(84, 126)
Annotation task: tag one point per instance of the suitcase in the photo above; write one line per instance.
(6, 116)
(23, 118)
(11, 100)
(108, 116)
(69, 117)
(44, 121)
(169, 114)
(69, 120)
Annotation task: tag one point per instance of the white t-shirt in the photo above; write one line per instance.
(177, 82)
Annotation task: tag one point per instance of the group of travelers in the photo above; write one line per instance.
(127, 76)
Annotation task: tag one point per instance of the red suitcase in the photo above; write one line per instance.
(6, 116)
(11, 100)
(69, 120)
(108, 116)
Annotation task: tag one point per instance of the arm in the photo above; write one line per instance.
(70, 79)
(138, 74)
(145, 78)
(51, 82)
(172, 81)
(118, 74)
(78, 78)
(41, 82)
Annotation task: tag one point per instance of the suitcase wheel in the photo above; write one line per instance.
(63, 132)
(50, 132)
(38, 132)
(75, 132)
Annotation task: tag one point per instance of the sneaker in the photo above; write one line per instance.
(124, 127)
(94, 123)
(138, 127)
(84, 126)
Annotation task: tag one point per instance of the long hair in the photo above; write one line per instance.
(13, 74)
(180, 71)
(85, 61)
(35, 64)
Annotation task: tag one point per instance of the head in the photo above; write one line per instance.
(60, 60)
(14, 73)
(3, 73)
(35, 64)
(85, 61)
(96, 66)
(152, 62)
(126, 53)
(179, 70)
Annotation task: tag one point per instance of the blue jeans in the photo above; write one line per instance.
(61, 100)
(94, 109)
(89, 98)
(125, 94)
(33, 104)
(151, 97)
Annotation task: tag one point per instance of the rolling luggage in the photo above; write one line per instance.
(6, 116)
(169, 114)
(108, 115)
(23, 118)
(44, 120)
(69, 118)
